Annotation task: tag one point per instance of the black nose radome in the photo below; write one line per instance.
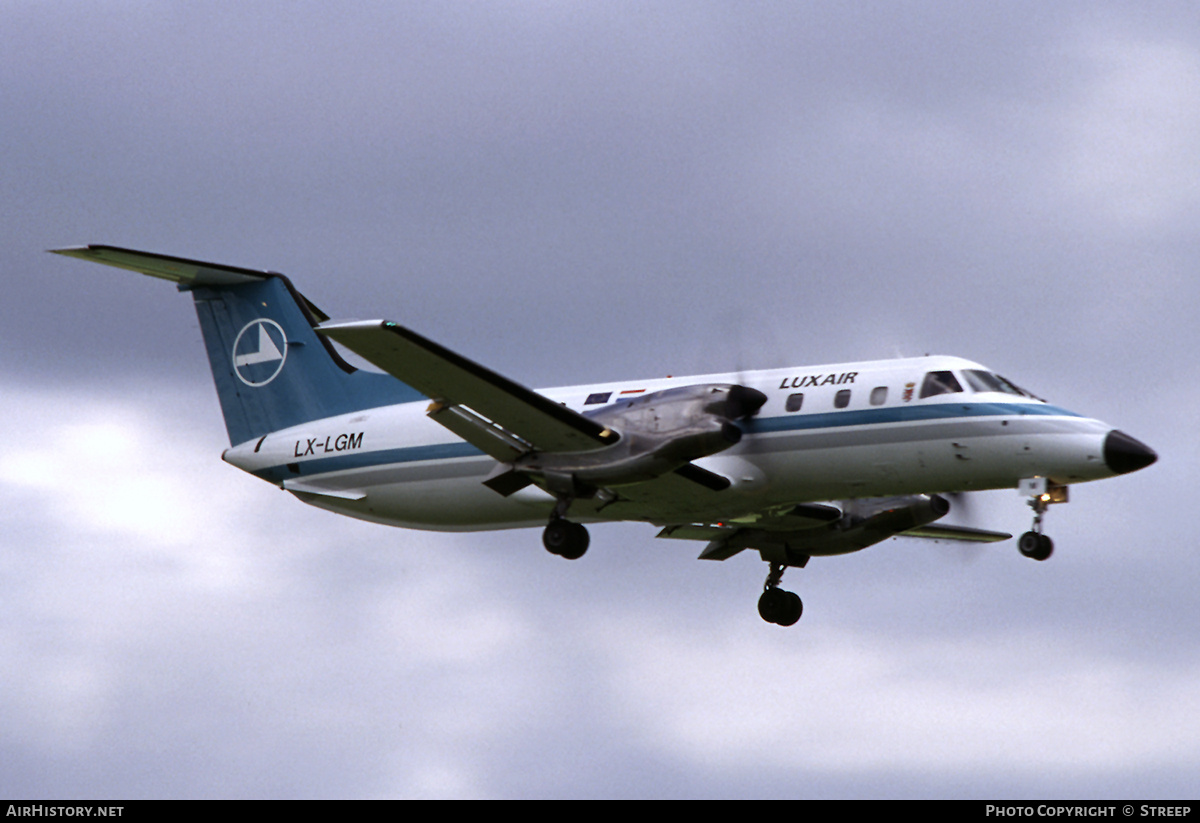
(1123, 454)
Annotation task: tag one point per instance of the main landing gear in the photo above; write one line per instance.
(562, 537)
(566, 539)
(776, 605)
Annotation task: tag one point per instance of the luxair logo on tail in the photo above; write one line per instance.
(259, 352)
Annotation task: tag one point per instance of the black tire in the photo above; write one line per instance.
(1046, 549)
(1035, 546)
(566, 539)
(773, 606)
(577, 543)
(794, 608)
(556, 536)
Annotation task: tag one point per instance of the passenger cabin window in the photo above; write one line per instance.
(794, 402)
(878, 395)
(842, 399)
(939, 382)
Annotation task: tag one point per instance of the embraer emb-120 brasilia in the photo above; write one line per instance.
(792, 463)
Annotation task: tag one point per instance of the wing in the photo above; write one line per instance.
(489, 411)
(810, 529)
(810, 525)
(962, 534)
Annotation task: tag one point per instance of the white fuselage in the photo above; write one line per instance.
(826, 432)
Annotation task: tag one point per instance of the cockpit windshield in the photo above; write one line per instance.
(981, 380)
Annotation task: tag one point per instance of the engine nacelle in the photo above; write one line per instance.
(659, 433)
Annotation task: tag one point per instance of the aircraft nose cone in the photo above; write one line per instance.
(1123, 454)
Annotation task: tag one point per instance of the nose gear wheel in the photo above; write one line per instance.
(1033, 543)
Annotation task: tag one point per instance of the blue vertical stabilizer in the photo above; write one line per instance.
(271, 369)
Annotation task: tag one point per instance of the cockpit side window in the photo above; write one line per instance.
(939, 382)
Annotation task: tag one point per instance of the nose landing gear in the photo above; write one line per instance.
(1036, 545)
(1042, 492)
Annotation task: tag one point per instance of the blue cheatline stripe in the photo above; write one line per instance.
(366, 459)
(824, 420)
(901, 414)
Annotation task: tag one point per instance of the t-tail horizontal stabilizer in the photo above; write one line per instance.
(270, 368)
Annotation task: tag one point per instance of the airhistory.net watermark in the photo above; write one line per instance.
(43, 810)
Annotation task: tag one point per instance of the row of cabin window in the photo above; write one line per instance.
(840, 400)
(936, 382)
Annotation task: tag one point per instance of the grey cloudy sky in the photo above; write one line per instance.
(573, 192)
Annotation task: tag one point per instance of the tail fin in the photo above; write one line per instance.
(271, 369)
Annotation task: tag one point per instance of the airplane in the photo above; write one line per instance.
(792, 463)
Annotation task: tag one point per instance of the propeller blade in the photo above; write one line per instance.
(743, 401)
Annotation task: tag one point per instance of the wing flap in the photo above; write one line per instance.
(479, 432)
(452, 380)
(707, 479)
(695, 531)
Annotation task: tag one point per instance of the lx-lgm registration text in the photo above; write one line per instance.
(330, 445)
